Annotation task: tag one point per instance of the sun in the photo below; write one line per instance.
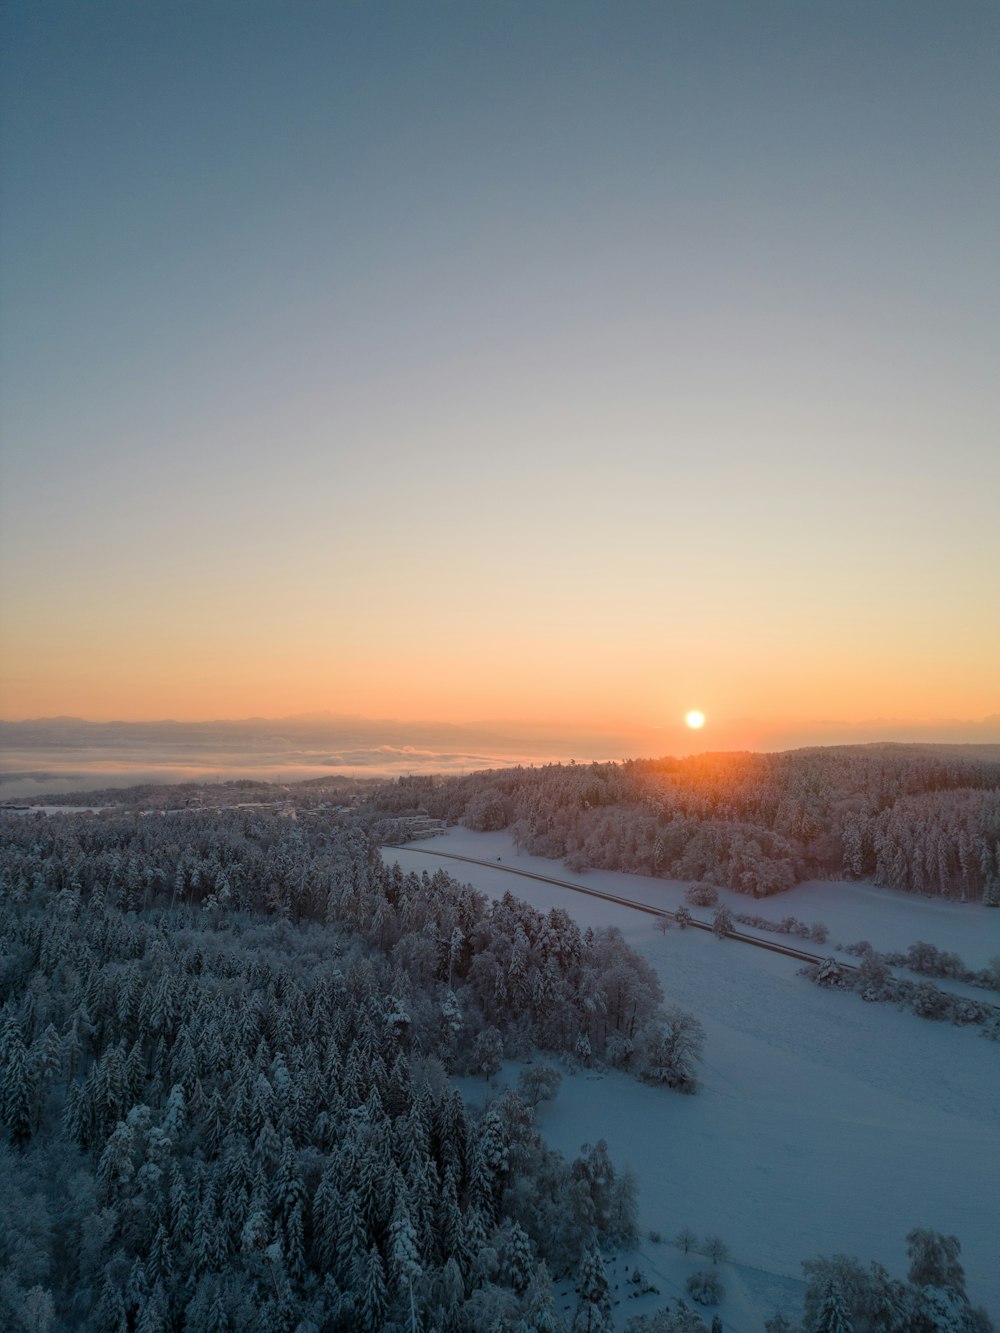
(695, 720)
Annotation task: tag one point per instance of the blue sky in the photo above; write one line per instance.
(669, 326)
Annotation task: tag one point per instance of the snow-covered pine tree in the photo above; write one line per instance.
(517, 1262)
(15, 1088)
(540, 1314)
(833, 1316)
(593, 1311)
(370, 1290)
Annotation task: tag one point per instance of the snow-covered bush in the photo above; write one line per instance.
(705, 1288)
(702, 895)
(539, 1083)
(873, 977)
(667, 1049)
(928, 1001)
(829, 973)
(722, 922)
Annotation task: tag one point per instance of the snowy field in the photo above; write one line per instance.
(888, 919)
(824, 1125)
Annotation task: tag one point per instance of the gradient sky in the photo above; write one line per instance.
(541, 360)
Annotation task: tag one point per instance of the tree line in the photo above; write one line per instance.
(908, 817)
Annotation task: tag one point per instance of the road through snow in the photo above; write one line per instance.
(824, 1125)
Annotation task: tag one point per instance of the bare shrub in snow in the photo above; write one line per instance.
(715, 1248)
(686, 1239)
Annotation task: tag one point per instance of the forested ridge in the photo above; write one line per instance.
(225, 1042)
(907, 817)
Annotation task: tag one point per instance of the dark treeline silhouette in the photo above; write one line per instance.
(225, 1042)
(905, 816)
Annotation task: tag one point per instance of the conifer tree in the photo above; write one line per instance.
(593, 1311)
(540, 1312)
(833, 1316)
(404, 1257)
(326, 1210)
(153, 1317)
(516, 1259)
(15, 1088)
(370, 1290)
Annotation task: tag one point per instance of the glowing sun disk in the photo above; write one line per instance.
(695, 719)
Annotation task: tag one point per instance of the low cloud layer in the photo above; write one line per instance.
(68, 755)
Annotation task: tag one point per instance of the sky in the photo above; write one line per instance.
(553, 361)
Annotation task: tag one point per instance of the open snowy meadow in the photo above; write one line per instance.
(823, 1125)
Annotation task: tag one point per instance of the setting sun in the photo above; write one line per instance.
(695, 720)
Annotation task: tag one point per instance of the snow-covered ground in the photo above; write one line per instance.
(824, 1124)
(888, 919)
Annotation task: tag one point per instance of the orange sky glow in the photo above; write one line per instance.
(669, 383)
(450, 664)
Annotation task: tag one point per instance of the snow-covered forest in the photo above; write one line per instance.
(228, 1041)
(909, 817)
